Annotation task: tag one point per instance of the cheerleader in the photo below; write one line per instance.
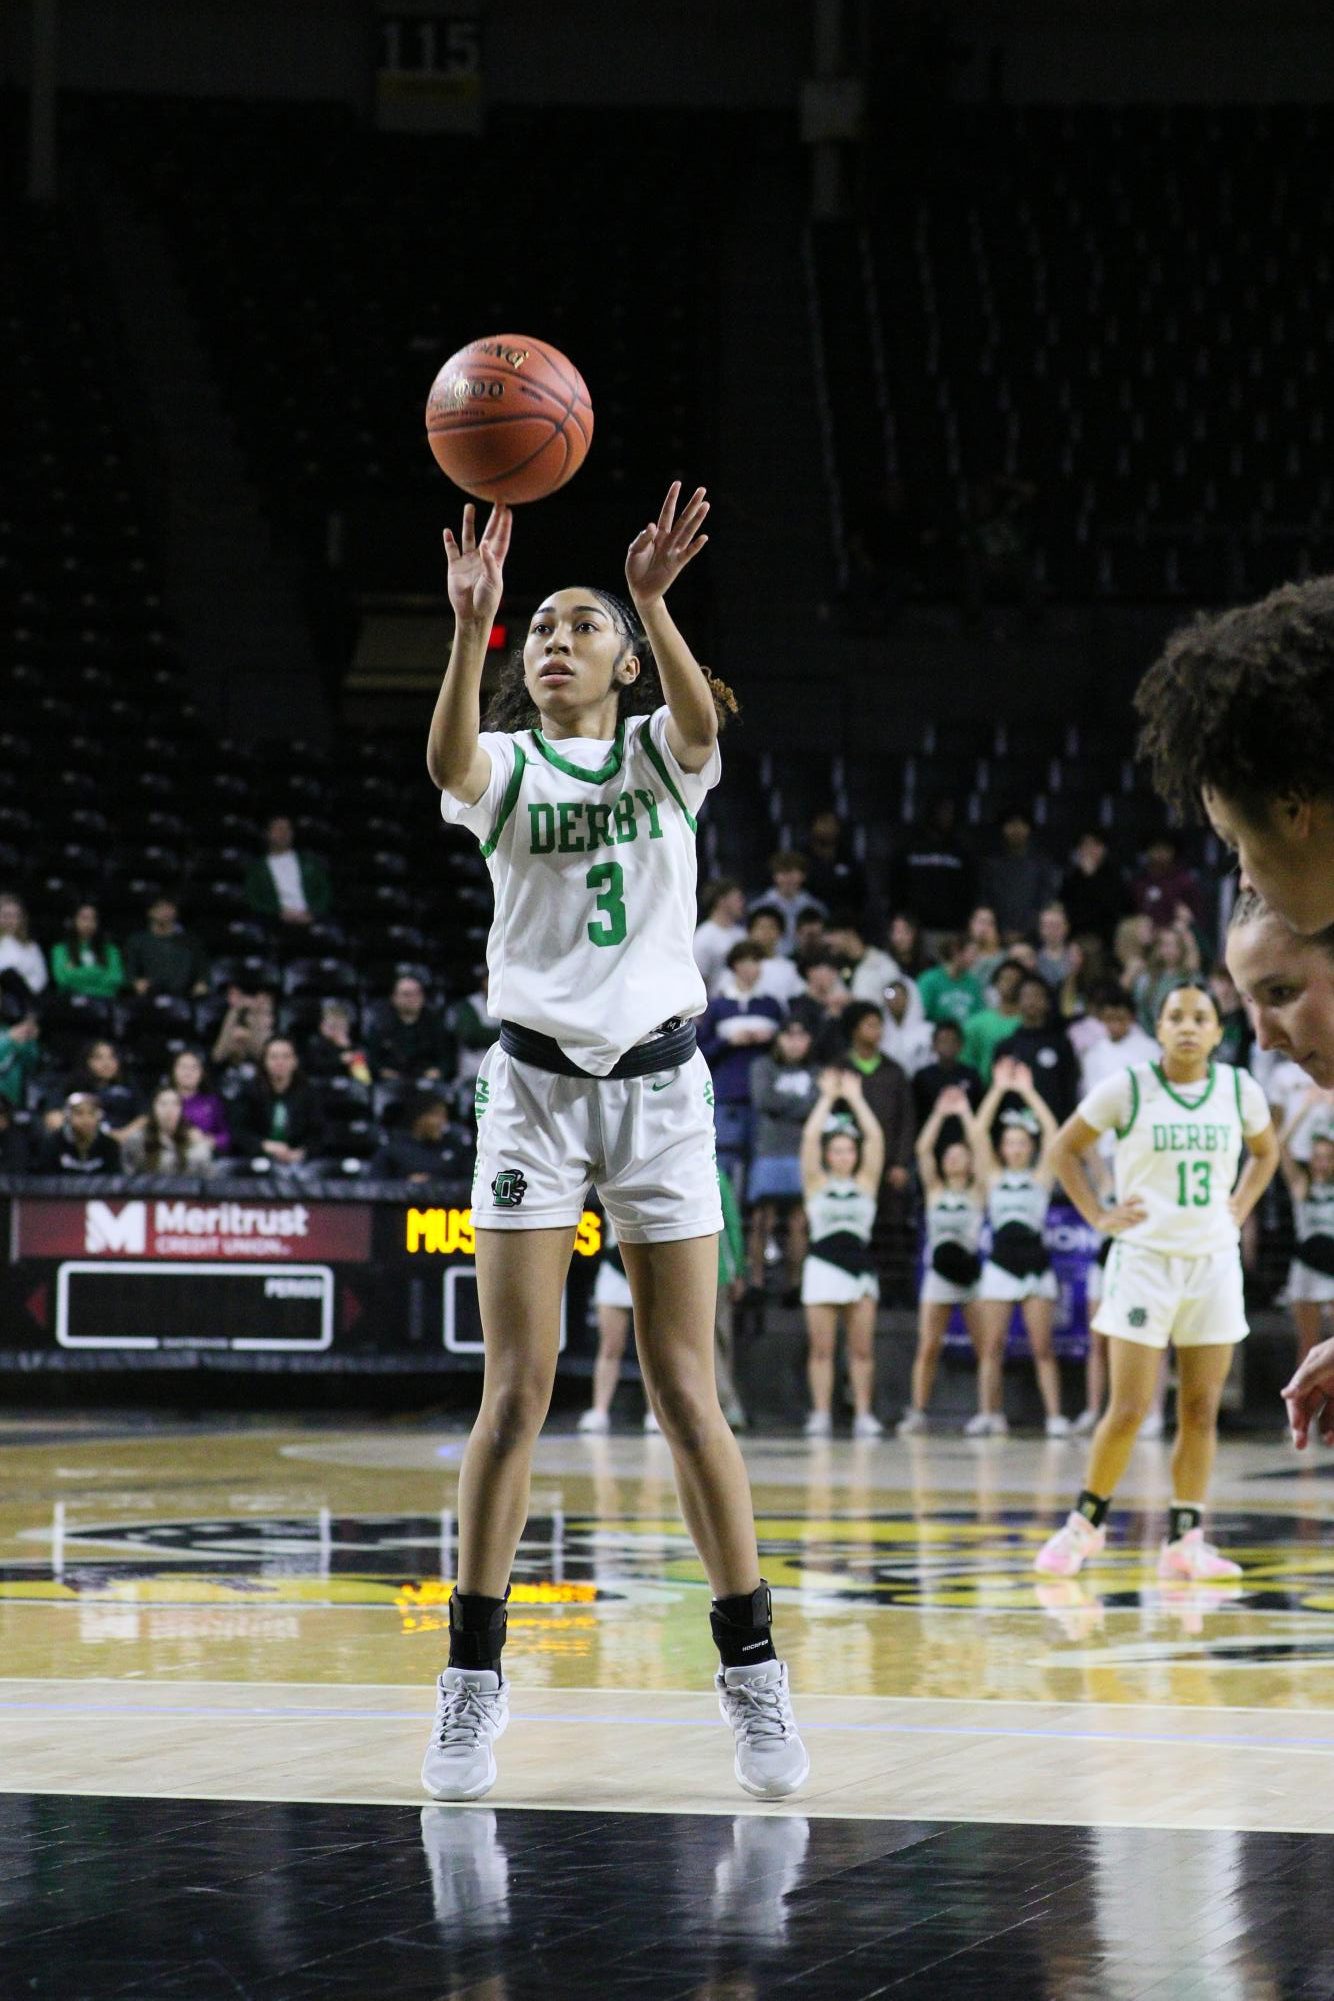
(840, 1182)
(1018, 1270)
(953, 1231)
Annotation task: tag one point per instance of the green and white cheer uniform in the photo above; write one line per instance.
(591, 850)
(1177, 1275)
(1017, 1196)
(1313, 1217)
(954, 1217)
(837, 1268)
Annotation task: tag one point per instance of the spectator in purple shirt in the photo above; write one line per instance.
(200, 1104)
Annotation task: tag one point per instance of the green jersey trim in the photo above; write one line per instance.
(1186, 1104)
(655, 759)
(1122, 1132)
(507, 804)
(1236, 1085)
(598, 777)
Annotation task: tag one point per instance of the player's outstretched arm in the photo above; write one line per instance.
(654, 561)
(454, 758)
(1310, 1393)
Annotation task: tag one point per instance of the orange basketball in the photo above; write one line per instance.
(508, 418)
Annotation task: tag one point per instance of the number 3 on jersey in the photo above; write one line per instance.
(609, 878)
(1203, 1173)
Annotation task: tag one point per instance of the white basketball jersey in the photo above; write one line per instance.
(591, 848)
(1178, 1148)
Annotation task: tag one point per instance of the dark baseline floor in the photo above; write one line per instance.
(165, 1900)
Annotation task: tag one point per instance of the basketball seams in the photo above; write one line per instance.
(558, 405)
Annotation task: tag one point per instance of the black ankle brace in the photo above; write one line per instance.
(741, 1628)
(476, 1630)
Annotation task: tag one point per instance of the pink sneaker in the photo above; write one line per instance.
(1191, 1557)
(1064, 1554)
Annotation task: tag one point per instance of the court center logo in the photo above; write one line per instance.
(508, 1188)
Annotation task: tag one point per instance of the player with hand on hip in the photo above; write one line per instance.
(1182, 1126)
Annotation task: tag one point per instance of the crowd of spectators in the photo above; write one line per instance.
(147, 1056)
(1058, 963)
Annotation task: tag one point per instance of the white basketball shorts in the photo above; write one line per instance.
(645, 1143)
(1152, 1298)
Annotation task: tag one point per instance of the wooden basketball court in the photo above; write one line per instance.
(219, 1651)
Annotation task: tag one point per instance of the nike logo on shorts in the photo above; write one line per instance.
(661, 1087)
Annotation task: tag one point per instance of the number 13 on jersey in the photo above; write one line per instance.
(609, 879)
(1201, 1173)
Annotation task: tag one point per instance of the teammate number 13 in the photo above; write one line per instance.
(1202, 1172)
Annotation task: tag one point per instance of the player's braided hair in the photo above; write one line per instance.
(511, 706)
(1243, 701)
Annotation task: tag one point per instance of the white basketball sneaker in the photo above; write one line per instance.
(818, 1424)
(771, 1760)
(594, 1420)
(868, 1425)
(1197, 1561)
(472, 1709)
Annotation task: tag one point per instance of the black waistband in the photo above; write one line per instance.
(667, 1048)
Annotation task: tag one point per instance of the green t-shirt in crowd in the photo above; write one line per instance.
(983, 1036)
(947, 997)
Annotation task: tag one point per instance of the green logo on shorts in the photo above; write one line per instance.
(1138, 1316)
(481, 1096)
(708, 1092)
(508, 1188)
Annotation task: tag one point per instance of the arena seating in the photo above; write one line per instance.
(332, 270)
(1128, 313)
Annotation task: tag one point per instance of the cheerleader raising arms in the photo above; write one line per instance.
(953, 1228)
(840, 1181)
(1018, 1270)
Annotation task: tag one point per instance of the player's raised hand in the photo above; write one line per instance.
(476, 568)
(1311, 1393)
(660, 552)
